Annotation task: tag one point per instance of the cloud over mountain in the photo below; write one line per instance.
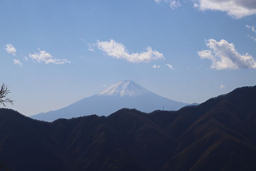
(45, 57)
(17, 62)
(156, 66)
(10, 49)
(118, 50)
(224, 55)
(234, 8)
(170, 66)
(172, 3)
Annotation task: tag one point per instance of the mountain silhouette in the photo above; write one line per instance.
(124, 94)
(218, 134)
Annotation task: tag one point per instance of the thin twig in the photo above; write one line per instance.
(4, 91)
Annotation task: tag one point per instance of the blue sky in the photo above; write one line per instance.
(55, 52)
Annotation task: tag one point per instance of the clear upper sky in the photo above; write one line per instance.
(54, 52)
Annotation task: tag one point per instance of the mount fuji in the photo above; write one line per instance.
(124, 94)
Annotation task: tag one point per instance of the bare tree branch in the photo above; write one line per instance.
(4, 91)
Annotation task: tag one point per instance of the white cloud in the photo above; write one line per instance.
(223, 55)
(91, 47)
(172, 3)
(10, 49)
(222, 86)
(252, 37)
(17, 62)
(170, 66)
(156, 66)
(235, 8)
(252, 28)
(47, 58)
(119, 51)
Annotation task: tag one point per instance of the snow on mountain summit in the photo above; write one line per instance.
(124, 88)
(124, 94)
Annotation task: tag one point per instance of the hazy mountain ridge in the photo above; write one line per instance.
(216, 135)
(124, 94)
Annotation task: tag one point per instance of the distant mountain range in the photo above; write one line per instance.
(218, 134)
(124, 94)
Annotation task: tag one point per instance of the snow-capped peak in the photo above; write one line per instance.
(124, 88)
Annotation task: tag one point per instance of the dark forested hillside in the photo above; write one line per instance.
(219, 134)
